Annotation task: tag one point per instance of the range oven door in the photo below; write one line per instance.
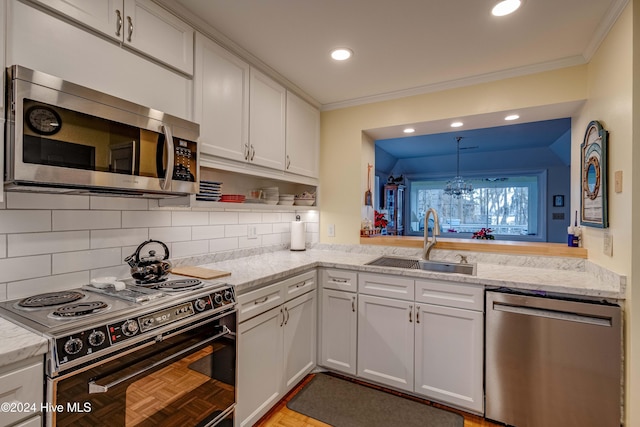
(188, 379)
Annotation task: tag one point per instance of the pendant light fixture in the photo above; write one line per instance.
(458, 187)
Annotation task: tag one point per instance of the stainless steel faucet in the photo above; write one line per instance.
(428, 245)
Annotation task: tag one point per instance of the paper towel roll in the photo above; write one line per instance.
(297, 236)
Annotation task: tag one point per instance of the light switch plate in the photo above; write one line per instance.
(331, 231)
(618, 181)
(608, 244)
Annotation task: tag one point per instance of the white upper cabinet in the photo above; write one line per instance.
(221, 86)
(302, 137)
(139, 24)
(267, 101)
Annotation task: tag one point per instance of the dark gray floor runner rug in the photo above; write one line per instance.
(343, 403)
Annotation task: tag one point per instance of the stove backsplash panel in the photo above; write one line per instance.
(54, 242)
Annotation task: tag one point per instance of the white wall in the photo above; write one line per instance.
(53, 242)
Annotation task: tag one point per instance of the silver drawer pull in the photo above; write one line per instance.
(261, 300)
(353, 304)
(340, 280)
(299, 285)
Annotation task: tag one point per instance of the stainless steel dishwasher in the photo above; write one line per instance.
(552, 362)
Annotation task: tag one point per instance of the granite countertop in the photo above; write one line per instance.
(19, 343)
(252, 272)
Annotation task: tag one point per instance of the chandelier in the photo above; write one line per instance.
(458, 187)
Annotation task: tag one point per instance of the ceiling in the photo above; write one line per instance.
(401, 47)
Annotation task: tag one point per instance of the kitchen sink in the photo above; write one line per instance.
(420, 264)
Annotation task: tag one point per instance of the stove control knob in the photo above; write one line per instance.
(200, 304)
(217, 298)
(228, 295)
(96, 338)
(130, 327)
(73, 346)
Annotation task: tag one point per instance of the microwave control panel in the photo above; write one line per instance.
(184, 168)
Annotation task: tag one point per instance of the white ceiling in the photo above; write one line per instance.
(401, 47)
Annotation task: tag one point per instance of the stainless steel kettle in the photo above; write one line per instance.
(151, 267)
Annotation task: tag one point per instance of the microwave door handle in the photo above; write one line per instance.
(97, 388)
(168, 175)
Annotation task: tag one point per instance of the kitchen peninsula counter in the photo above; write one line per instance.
(255, 271)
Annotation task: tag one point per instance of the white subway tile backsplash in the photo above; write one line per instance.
(135, 219)
(3, 246)
(86, 220)
(271, 217)
(60, 282)
(235, 230)
(118, 203)
(283, 227)
(207, 232)
(119, 237)
(47, 243)
(179, 218)
(263, 228)
(24, 221)
(243, 242)
(183, 249)
(122, 272)
(273, 239)
(249, 217)
(171, 234)
(86, 260)
(24, 267)
(223, 218)
(16, 200)
(221, 245)
(3, 292)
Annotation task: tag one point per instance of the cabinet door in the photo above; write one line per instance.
(266, 121)
(449, 358)
(338, 331)
(221, 94)
(302, 137)
(299, 339)
(386, 341)
(154, 31)
(104, 16)
(259, 365)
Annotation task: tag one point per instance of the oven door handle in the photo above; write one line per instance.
(97, 388)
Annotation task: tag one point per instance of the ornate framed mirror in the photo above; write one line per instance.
(593, 199)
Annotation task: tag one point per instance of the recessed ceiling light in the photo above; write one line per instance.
(456, 124)
(409, 130)
(505, 7)
(512, 117)
(341, 54)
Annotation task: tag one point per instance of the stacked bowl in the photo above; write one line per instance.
(305, 199)
(286, 199)
(210, 191)
(271, 195)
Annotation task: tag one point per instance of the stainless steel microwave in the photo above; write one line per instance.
(66, 138)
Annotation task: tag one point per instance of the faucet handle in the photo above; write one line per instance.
(463, 259)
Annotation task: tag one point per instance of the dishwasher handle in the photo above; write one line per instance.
(552, 314)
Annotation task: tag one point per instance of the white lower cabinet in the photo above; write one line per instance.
(385, 341)
(338, 331)
(277, 347)
(21, 383)
(448, 355)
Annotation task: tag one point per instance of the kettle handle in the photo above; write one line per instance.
(135, 258)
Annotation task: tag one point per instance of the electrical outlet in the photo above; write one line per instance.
(331, 231)
(251, 232)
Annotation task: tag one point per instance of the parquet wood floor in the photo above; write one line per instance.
(281, 416)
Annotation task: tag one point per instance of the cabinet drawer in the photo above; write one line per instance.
(256, 302)
(386, 286)
(340, 280)
(21, 384)
(450, 294)
(299, 285)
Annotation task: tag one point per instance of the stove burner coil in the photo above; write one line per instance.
(80, 309)
(50, 299)
(176, 285)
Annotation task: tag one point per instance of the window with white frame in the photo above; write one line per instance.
(507, 205)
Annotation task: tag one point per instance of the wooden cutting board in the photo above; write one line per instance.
(199, 272)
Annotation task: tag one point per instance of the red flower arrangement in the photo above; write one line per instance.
(379, 220)
(484, 234)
